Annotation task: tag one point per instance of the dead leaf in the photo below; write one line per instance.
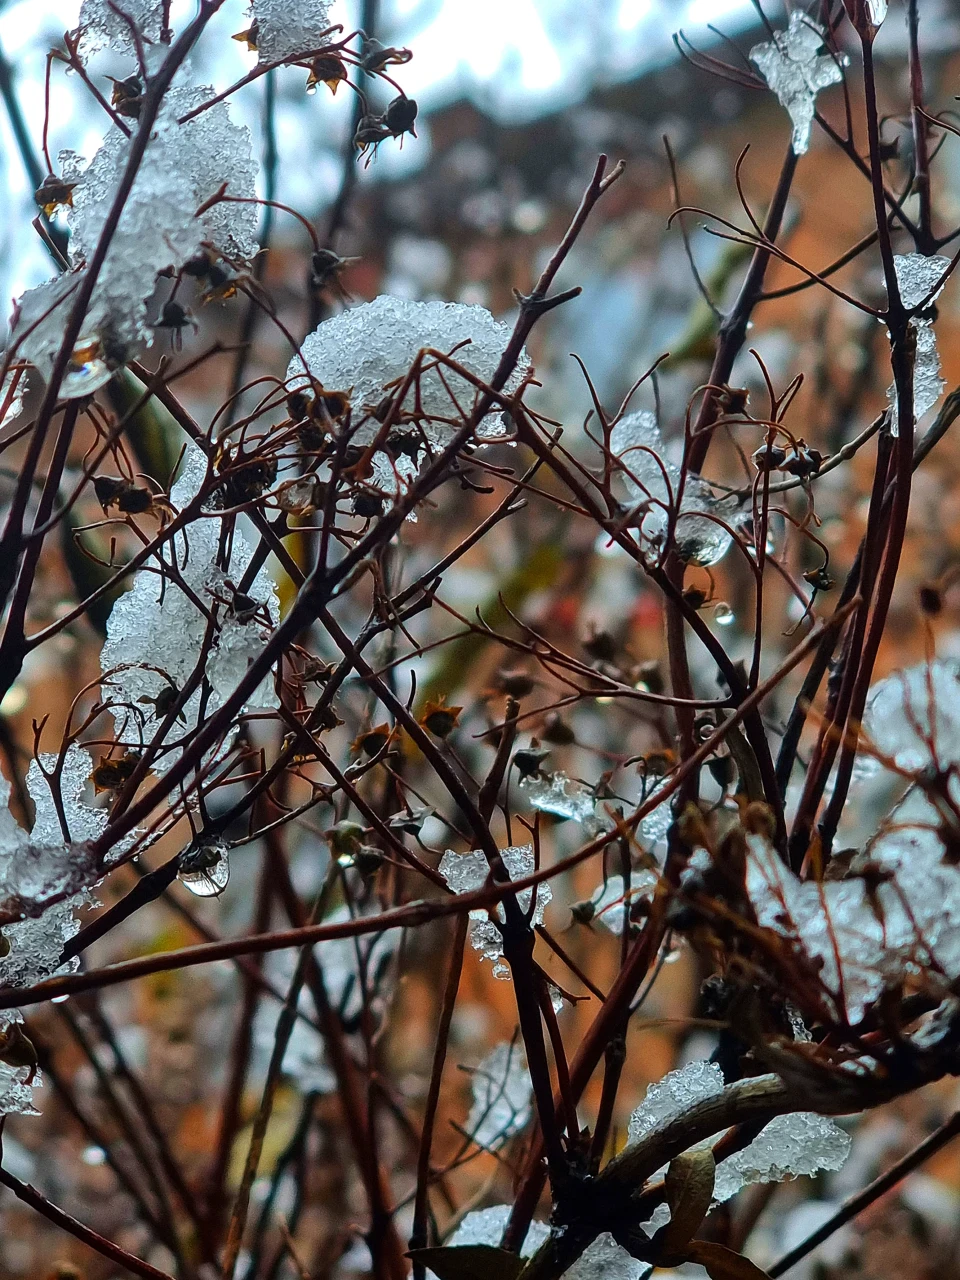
(470, 1262)
(689, 1190)
(721, 1263)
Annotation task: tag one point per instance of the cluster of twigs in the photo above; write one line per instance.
(354, 752)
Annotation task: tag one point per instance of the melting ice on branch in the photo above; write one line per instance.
(467, 872)
(184, 166)
(16, 1083)
(157, 635)
(654, 484)
(920, 280)
(913, 716)
(610, 905)
(368, 349)
(44, 879)
(796, 71)
(790, 1146)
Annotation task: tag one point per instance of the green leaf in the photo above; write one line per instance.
(689, 1190)
(721, 1263)
(469, 1262)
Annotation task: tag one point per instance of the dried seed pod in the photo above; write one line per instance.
(244, 480)
(516, 683)
(53, 193)
(368, 860)
(372, 741)
(367, 504)
(528, 760)
(819, 579)
(326, 69)
(770, 457)
(345, 841)
(376, 57)
(371, 131)
(650, 675)
(583, 912)
(733, 400)
(175, 317)
(163, 702)
(556, 730)
(601, 646)
(249, 37)
(439, 719)
(400, 116)
(112, 775)
(326, 268)
(127, 96)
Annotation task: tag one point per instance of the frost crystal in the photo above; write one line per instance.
(101, 25)
(156, 632)
(367, 350)
(212, 150)
(653, 483)
(796, 71)
(920, 280)
(556, 793)
(467, 872)
(501, 1096)
(287, 29)
(831, 921)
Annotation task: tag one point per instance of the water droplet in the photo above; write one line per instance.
(93, 1155)
(723, 615)
(311, 90)
(86, 371)
(205, 870)
(59, 999)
